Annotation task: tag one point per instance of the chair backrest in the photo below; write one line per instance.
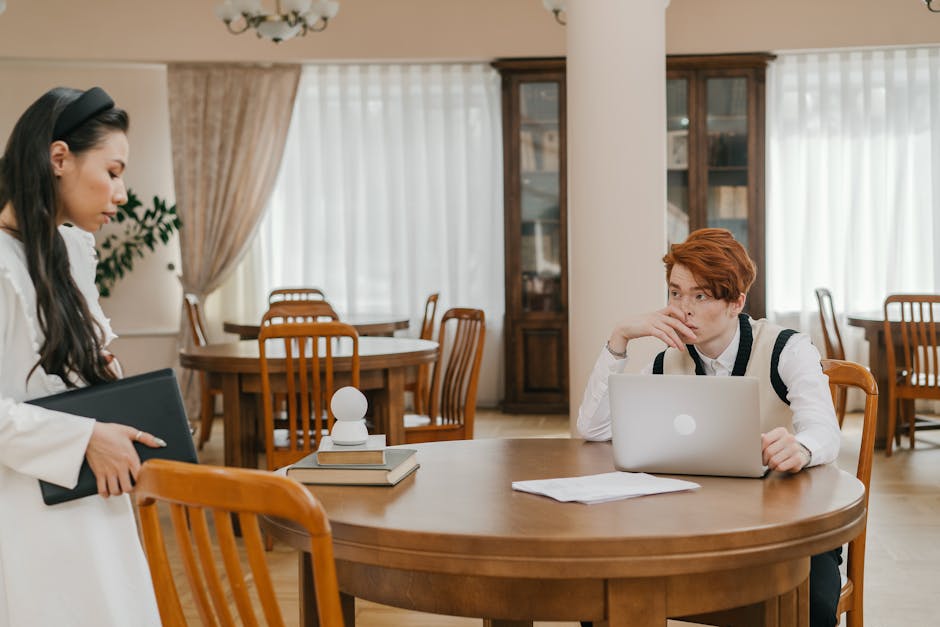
(192, 491)
(308, 383)
(430, 310)
(299, 311)
(194, 313)
(282, 294)
(917, 354)
(830, 326)
(849, 374)
(454, 384)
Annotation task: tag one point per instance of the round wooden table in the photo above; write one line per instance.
(455, 539)
(364, 323)
(385, 363)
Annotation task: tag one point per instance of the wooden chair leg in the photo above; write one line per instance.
(907, 407)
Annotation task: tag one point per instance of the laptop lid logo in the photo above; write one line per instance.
(684, 424)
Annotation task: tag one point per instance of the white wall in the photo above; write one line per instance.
(144, 308)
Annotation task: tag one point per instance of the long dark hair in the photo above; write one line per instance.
(72, 336)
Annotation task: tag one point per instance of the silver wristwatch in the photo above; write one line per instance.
(809, 454)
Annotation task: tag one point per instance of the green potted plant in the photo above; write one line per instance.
(117, 251)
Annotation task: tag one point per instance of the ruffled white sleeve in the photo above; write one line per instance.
(34, 441)
(84, 262)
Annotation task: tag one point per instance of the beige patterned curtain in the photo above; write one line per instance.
(228, 125)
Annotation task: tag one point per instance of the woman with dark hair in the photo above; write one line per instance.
(708, 277)
(80, 562)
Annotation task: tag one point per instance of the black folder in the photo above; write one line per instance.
(150, 402)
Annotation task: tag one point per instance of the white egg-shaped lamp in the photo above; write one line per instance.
(349, 407)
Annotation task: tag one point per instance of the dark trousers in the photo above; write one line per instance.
(825, 584)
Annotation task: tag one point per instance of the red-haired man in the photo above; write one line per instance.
(705, 333)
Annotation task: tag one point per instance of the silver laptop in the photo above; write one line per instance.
(686, 424)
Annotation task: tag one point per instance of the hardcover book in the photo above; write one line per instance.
(399, 463)
(150, 402)
(371, 452)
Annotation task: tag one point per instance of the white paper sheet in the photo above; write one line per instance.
(609, 486)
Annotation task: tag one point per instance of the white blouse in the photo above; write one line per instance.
(78, 563)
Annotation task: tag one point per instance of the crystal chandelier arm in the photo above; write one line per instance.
(237, 31)
(557, 7)
(317, 25)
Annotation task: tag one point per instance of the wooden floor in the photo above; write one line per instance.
(903, 556)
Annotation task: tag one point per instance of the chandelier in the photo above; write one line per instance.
(930, 8)
(290, 17)
(557, 7)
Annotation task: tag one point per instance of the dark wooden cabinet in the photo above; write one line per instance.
(715, 177)
(715, 151)
(536, 235)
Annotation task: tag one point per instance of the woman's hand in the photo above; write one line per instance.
(112, 457)
(782, 451)
(666, 324)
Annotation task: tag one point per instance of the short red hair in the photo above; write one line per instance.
(716, 260)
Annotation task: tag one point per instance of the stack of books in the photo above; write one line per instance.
(371, 463)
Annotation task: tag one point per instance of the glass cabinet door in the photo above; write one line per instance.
(535, 235)
(540, 193)
(726, 126)
(677, 159)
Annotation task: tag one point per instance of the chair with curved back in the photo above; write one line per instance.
(419, 388)
(282, 294)
(833, 340)
(453, 396)
(299, 311)
(307, 385)
(845, 374)
(911, 331)
(191, 491)
(207, 394)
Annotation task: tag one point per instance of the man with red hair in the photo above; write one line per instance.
(706, 333)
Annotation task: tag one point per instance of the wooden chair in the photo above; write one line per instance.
(454, 384)
(419, 388)
(307, 348)
(299, 311)
(833, 340)
(282, 294)
(845, 374)
(207, 394)
(913, 360)
(191, 491)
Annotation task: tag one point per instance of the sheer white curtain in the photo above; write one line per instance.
(390, 189)
(853, 181)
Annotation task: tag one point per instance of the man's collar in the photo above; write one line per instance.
(730, 354)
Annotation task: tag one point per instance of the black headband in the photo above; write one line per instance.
(79, 111)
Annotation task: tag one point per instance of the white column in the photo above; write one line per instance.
(616, 100)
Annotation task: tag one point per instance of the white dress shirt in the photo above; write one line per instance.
(814, 419)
